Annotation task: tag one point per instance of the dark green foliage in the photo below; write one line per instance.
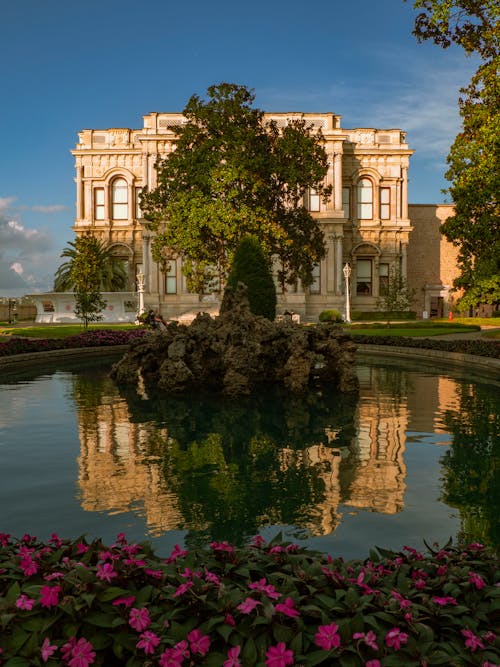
(251, 268)
(476, 347)
(330, 315)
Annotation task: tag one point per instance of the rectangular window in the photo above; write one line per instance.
(364, 277)
(383, 279)
(385, 203)
(346, 202)
(365, 199)
(315, 287)
(99, 204)
(313, 200)
(171, 277)
(138, 212)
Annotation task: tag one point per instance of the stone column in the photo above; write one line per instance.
(404, 263)
(338, 265)
(337, 182)
(330, 264)
(87, 201)
(146, 262)
(79, 193)
(145, 174)
(404, 197)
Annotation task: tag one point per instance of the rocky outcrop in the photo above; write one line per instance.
(237, 351)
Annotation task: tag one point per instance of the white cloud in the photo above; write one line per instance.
(25, 253)
(54, 208)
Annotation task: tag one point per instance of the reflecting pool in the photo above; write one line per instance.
(416, 456)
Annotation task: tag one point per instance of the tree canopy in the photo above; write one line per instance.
(108, 271)
(474, 158)
(233, 174)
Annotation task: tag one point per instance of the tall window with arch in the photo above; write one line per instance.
(365, 199)
(119, 199)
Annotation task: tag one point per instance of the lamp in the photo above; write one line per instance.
(347, 274)
(140, 291)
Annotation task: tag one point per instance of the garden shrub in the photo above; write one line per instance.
(251, 268)
(480, 348)
(269, 604)
(330, 315)
(94, 338)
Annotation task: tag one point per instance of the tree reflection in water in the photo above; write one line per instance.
(236, 466)
(471, 466)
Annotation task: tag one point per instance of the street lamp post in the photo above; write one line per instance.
(347, 274)
(140, 291)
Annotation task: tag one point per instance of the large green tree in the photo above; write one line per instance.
(232, 174)
(110, 272)
(474, 158)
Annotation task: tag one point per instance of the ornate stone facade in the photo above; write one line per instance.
(366, 222)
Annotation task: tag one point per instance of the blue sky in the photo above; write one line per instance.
(66, 65)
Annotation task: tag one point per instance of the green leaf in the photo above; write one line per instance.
(99, 619)
(112, 592)
(13, 593)
(17, 662)
(249, 652)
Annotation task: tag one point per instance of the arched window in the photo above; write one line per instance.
(365, 199)
(119, 199)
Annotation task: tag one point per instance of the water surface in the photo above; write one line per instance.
(415, 456)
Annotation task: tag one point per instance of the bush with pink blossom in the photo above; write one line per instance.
(80, 603)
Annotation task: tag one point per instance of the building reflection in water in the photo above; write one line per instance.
(182, 468)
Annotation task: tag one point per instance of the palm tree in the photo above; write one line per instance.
(110, 269)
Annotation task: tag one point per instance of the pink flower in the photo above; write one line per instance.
(256, 541)
(248, 606)
(369, 638)
(404, 603)
(56, 540)
(327, 637)
(183, 588)
(287, 608)
(212, 578)
(47, 650)
(279, 656)
(171, 657)
(139, 619)
(106, 572)
(232, 657)
(24, 602)
(395, 638)
(126, 602)
(372, 663)
(82, 654)
(28, 566)
(148, 641)
(229, 620)
(53, 576)
(177, 552)
(81, 548)
(157, 574)
(443, 601)
(183, 648)
(222, 546)
(276, 550)
(266, 588)
(199, 643)
(49, 596)
(477, 580)
(472, 641)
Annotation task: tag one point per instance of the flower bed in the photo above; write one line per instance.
(94, 338)
(275, 604)
(477, 347)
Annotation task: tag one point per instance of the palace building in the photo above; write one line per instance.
(368, 222)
